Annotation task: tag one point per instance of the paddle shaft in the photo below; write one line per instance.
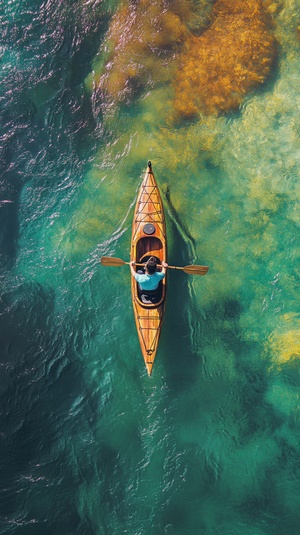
(191, 270)
(137, 264)
(158, 265)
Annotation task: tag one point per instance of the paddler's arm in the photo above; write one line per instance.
(133, 272)
(164, 266)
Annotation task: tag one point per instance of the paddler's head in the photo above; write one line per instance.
(151, 265)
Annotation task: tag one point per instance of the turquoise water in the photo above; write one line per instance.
(209, 445)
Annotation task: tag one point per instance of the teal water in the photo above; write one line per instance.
(209, 445)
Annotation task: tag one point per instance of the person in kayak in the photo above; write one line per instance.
(149, 280)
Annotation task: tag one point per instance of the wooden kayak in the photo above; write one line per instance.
(148, 239)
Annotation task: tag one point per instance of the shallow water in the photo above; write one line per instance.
(89, 443)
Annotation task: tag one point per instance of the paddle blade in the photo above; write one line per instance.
(111, 261)
(196, 270)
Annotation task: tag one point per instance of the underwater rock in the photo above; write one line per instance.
(234, 55)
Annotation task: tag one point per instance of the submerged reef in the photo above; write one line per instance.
(232, 56)
(213, 53)
(142, 41)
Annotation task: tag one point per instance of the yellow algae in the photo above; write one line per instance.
(284, 342)
(230, 58)
(286, 346)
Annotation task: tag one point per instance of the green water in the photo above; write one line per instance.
(209, 445)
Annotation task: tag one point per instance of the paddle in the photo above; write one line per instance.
(191, 270)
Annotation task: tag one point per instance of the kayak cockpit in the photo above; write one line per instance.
(145, 248)
(149, 246)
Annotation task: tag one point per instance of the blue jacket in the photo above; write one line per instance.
(149, 282)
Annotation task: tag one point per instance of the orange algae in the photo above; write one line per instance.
(234, 55)
(142, 39)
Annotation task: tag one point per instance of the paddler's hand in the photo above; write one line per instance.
(164, 264)
(132, 263)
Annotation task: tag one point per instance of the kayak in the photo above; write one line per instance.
(148, 239)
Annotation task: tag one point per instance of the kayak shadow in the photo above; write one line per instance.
(180, 361)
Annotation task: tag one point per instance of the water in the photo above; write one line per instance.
(89, 443)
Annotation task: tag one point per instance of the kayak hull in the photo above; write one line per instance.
(148, 239)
